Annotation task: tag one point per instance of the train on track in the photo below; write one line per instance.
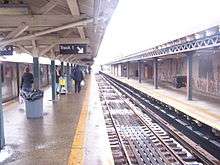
(11, 73)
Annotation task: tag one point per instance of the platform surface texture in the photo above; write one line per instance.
(205, 111)
(47, 140)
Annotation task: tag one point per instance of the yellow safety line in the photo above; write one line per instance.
(77, 149)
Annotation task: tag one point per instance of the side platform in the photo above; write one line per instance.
(72, 131)
(202, 111)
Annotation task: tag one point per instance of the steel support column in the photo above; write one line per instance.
(71, 68)
(53, 79)
(155, 61)
(62, 68)
(2, 136)
(18, 80)
(36, 72)
(68, 78)
(139, 71)
(189, 75)
(128, 76)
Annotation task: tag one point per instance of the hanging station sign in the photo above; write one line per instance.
(72, 48)
(6, 51)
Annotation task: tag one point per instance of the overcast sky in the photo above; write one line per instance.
(141, 24)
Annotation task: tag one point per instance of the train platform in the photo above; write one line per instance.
(72, 131)
(203, 110)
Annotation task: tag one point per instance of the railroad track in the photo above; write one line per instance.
(136, 138)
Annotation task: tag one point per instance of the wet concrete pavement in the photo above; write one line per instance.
(97, 147)
(41, 141)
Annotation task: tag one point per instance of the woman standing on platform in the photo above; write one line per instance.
(27, 80)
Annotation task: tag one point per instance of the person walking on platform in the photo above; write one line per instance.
(89, 68)
(77, 76)
(27, 80)
(58, 75)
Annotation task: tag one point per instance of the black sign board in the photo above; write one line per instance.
(6, 51)
(72, 48)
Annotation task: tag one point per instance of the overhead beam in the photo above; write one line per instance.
(74, 8)
(67, 32)
(34, 49)
(48, 40)
(47, 7)
(61, 3)
(52, 54)
(18, 31)
(81, 32)
(72, 59)
(82, 62)
(57, 57)
(23, 49)
(38, 20)
(68, 59)
(63, 27)
(73, 40)
(47, 49)
(8, 29)
(73, 56)
(31, 46)
(82, 56)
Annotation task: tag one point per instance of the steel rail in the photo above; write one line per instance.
(189, 144)
(119, 136)
(179, 159)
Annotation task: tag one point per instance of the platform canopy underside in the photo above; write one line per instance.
(38, 27)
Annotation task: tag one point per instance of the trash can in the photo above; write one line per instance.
(33, 103)
(34, 109)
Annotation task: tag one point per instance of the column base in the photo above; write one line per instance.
(2, 143)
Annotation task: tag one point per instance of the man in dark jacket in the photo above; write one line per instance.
(58, 75)
(77, 75)
(27, 80)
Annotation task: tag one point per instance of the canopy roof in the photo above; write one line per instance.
(37, 27)
(208, 39)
